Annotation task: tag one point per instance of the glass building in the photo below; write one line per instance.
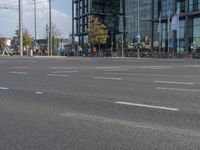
(189, 24)
(125, 19)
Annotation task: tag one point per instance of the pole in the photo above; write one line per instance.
(160, 32)
(35, 24)
(138, 49)
(20, 29)
(168, 32)
(73, 46)
(111, 49)
(47, 32)
(50, 29)
(178, 34)
(122, 45)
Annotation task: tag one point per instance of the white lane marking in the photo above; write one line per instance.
(147, 106)
(39, 93)
(110, 70)
(69, 71)
(107, 78)
(156, 67)
(61, 68)
(15, 72)
(58, 75)
(4, 88)
(171, 82)
(108, 67)
(141, 74)
(177, 89)
(194, 66)
(20, 67)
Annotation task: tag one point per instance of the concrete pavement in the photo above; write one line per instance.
(99, 103)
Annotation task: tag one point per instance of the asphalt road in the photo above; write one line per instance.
(99, 104)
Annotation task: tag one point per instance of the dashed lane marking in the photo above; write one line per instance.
(4, 88)
(178, 89)
(172, 82)
(58, 75)
(107, 78)
(15, 72)
(148, 106)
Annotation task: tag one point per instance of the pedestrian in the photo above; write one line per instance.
(94, 51)
(80, 50)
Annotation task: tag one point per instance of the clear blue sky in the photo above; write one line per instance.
(63, 5)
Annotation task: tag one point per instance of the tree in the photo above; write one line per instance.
(2, 41)
(97, 32)
(55, 39)
(27, 38)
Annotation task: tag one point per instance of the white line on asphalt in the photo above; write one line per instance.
(171, 82)
(107, 78)
(69, 71)
(4, 88)
(61, 68)
(161, 68)
(108, 67)
(20, 67)
(141, 74)
(156, 67)
(147, 106)
(177, 89)
(194, 66)
(58, 75)
(39, 93)
(110, 70)
(15, 72)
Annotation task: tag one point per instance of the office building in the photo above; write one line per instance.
(125, 19)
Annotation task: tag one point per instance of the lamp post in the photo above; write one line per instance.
(35, 25)
(20, 29)
(50, 30)
(138, 36)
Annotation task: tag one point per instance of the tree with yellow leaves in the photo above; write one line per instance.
(97, 32)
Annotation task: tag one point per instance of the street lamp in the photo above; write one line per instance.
(20, 29)
(138, 35)
(50, 30)
(35, 24)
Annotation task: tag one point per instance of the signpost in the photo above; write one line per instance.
(138, 41)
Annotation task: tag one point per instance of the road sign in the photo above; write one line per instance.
(138, 37)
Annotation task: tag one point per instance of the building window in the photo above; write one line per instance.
(194, 5)
(166, 7)
(181, 5)
(194, 31)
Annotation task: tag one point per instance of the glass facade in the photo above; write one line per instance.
(138, 22)
(124, 22)
(194, 5)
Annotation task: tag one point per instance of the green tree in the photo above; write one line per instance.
(56, 36)
(27, 38)
(97, 32)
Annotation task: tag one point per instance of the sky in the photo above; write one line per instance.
(61, 16)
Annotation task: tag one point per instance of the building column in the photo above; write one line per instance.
(152, 23)
(73, 25)
(186, 26)
(175, 32)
